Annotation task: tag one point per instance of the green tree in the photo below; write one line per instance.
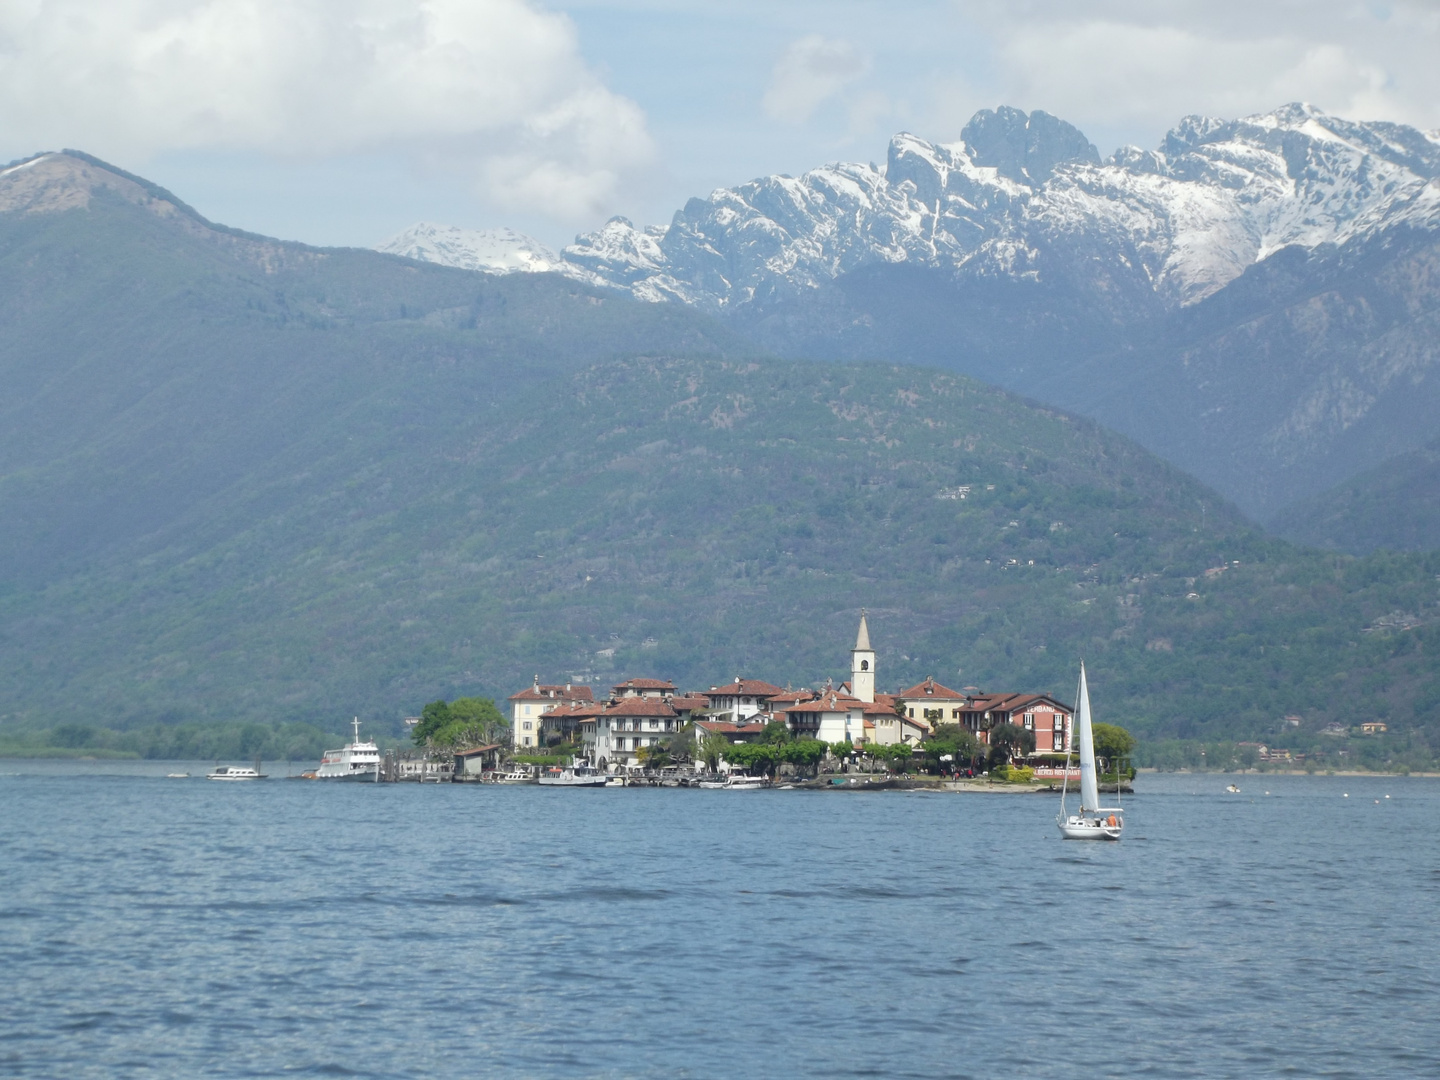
(753, 757)
(1112, 742)
(896, 756)
(713, 747)
(656, 755)
(804, 754)
(433, 717)
(954, 741)
(775, 733)
(474, 722)
(682, 744)
(1009, 741)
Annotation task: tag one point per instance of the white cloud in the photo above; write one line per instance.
(812, 70)
(493, 89)
(1128, 65)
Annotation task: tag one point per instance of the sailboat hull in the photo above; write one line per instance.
(1076, 828)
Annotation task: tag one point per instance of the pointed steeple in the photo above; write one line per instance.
(862, 639)
(862, 664)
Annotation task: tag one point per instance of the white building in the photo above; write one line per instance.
(529, 706)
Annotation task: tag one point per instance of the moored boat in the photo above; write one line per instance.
(737, 783)
(577, 775)
(235, 772)
(516, 775)
(354, 761)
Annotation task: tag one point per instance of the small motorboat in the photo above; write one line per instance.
(177, 776)
(516, 775)
(1232, 789)
(235, 772)
(737, 783)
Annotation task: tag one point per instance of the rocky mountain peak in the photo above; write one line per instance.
(1025, 197)
(1025, 147)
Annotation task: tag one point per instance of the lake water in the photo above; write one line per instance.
(154, 927)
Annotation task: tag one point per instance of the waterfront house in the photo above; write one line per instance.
(1048, 718)
(932, 703)
(740, 700)
(530, 704)
(617, 734)
(834, 717)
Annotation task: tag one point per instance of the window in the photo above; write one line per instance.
(864, 665)
(527, 710)
(1029, 719)
(910, 712)
(527, 728)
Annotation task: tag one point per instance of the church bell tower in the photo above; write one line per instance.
(862, 664)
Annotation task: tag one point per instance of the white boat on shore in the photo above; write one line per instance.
(355, 761)
(1093, 822)
(577, 775)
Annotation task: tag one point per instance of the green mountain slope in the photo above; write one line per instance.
(250, 481)
(703, 518)
(1395, 506)
(149, 361)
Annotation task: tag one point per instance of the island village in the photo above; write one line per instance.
(626, 736)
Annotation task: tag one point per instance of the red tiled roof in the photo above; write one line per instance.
(792, 697)
(573, 711)
(690, 702)
(644, 684)
(552, 693)
(832, 702)
(931, 689)
(638, 706)
(746, 687)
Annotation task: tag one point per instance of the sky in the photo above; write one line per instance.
(341, 122)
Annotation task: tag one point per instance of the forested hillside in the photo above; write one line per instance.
(254, 482)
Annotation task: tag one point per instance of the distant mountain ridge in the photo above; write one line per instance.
(1188, 218)
(1253, 300)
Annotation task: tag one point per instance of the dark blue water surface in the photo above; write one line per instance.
(155, 927)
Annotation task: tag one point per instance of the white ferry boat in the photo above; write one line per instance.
(353, 761)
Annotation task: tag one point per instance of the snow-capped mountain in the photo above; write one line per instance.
(1018, 191)
(1018, 196)
(494, 251)
(1253, 299)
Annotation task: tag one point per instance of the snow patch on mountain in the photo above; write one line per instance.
(494, 251)
(1019, 195)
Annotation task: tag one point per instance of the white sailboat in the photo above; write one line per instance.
(1093, 822)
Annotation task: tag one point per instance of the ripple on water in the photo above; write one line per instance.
(172, 929)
